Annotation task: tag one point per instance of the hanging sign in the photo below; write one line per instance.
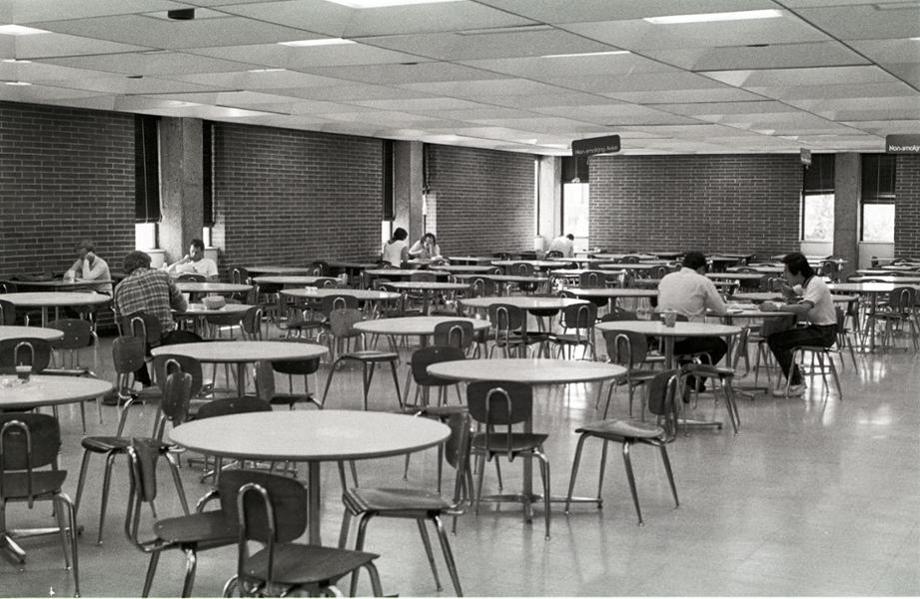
(596, 145)
(906, 143)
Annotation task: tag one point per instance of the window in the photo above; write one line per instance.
(818, 199)
(878, 197)
(146, 169)
(575, 202)
(145, 236)
(389, 209)
(207, 176)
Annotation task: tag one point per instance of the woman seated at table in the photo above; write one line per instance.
(426, 248)
(815, 305)
(396, 250)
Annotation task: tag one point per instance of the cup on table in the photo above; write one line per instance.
(669, 318)
(23, 371)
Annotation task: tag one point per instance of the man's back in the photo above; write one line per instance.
(689, 293)
(151, 292)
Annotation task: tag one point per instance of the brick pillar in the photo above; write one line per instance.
(407, 187)
(847, 183)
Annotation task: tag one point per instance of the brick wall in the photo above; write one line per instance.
(907, 206)
(711, 203)
(290, 197)
(65, 174)
(485, 199)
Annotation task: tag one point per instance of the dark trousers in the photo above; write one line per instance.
(782, 343)
(142, 376)
(714, 347)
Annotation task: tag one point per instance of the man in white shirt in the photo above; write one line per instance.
(689, 293)
(195, 262)
(815, 305)
(90, 267)
(565, 244)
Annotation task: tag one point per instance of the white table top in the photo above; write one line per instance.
(534, 263)
(44, 390)
(465, 268)
(525, 302)
(211, 287)
(360, 294)
(534, 371)
(236, 352)
(427, 286)
(611, 292)
(766, 296)
(414, 325)
(736, 276)
(894, 279)
(765, 269)
(55, 298)
(201, 310)
(288, 279)
(680, 329)
(621, 256)
(475, 259)
(401, 272)
(14, 332)
(280, 270)
(61, 285)
(900, 267)
(869, 288)
(640, 266)
(311, 436)
(502, 278)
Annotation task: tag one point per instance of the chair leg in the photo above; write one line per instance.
(547, 499)
(575, 464)
(602, 469)
(346, 525)
(82, 478)
(177, 481)
(448, 554)
(420, 522)
(322, 402)
(151, 572)
(376, 588)
(667, 468)
(359, 545)
(396, 383)
(632, 480)
(191, 565)
(59, 515)
(106, 483)
(833, 368)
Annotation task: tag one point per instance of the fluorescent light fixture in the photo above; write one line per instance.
(384, 3)
(611, 53)
(16, 61)
(266, 70)
(19, 30)
(325, 41)
(17, 83)
(743, 15)
(915, 39)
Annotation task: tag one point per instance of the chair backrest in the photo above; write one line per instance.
(296, 366)
(252, 323)
(521, 269)
(506, 317)
(127, 354)
(232, 405)
(662, 400)
(268, 509)
(554, 254)
(482, 287)
(319, 268)
(239, 276)
(423, 276)
(629, 260)
(28, 441)
(165, 364)
(342, 322)
(592, 279)
(192, 277)
(618, 313)
(499, 404)
(78, 333)
(7, 312)
(456, 333)
(25, 351)
(579, 316)
(177, 397)
(335, 302)
(626, 348)
(426, 356)
(143, 455)
(902, 298)
(145, 326)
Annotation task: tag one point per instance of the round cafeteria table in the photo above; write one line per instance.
(278, 270)
(504, 280)
(538, 264)
(14, 332)
(486, 260)
(871, 290)
(419, 326)
(611, 293)
(241, 353)
(61, 285)
(893, 279)
(302, 280)
(312, 437)
(680, 329)
(532, 372)
(427, 288)
(41, 390)
(359, 294)
(54, 299)
(465, 268)
(211, 287)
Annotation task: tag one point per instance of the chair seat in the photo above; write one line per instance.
(570, 339)
(289, 399)
(622, 429)
(45, 482)
(498, 442)
(105, 444)
(306, 564)
(891, 314)
(205, 530)
(815, 348)
(370, 355)
(397, 501)
(707, 370)
(637, 377)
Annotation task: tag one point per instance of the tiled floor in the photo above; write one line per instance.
(815, 496)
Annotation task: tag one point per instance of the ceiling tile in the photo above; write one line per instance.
(569, 11)
(772, 56)
(31, 11)
(150, 63)
(275, 55)
(397, 74)
(867, 22)
(807, 76)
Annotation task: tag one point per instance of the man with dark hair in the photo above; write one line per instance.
(689, 293)
(565, 244)
(151, 292)
(90, 267)
(194, 262)
(807, 295)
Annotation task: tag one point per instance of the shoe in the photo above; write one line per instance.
(794, 391)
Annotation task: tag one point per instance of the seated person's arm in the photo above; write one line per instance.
(714, 301)
(417, 248)
(799, 308)
(176, 299)
(76, 269)
(211, 271)
(97, 271)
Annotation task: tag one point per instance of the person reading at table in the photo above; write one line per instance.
(564, 244)
(194, 262)
(426, 248)
(808, 296)
(396, 250)
(690, 293)
(90, 267)
(153, 293)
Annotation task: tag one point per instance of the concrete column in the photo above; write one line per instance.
(407, 187)
(847, 189)
(549, 198)
(181, 188)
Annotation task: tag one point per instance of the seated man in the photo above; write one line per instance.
(90, 267)
(195, 262)
(155, 294)
(564, 244)
(815, 305)
(689, 293)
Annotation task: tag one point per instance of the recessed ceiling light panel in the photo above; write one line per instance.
(325, 41)
(611, 53)
(712, 17)
(384, 3)
(19, 30)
